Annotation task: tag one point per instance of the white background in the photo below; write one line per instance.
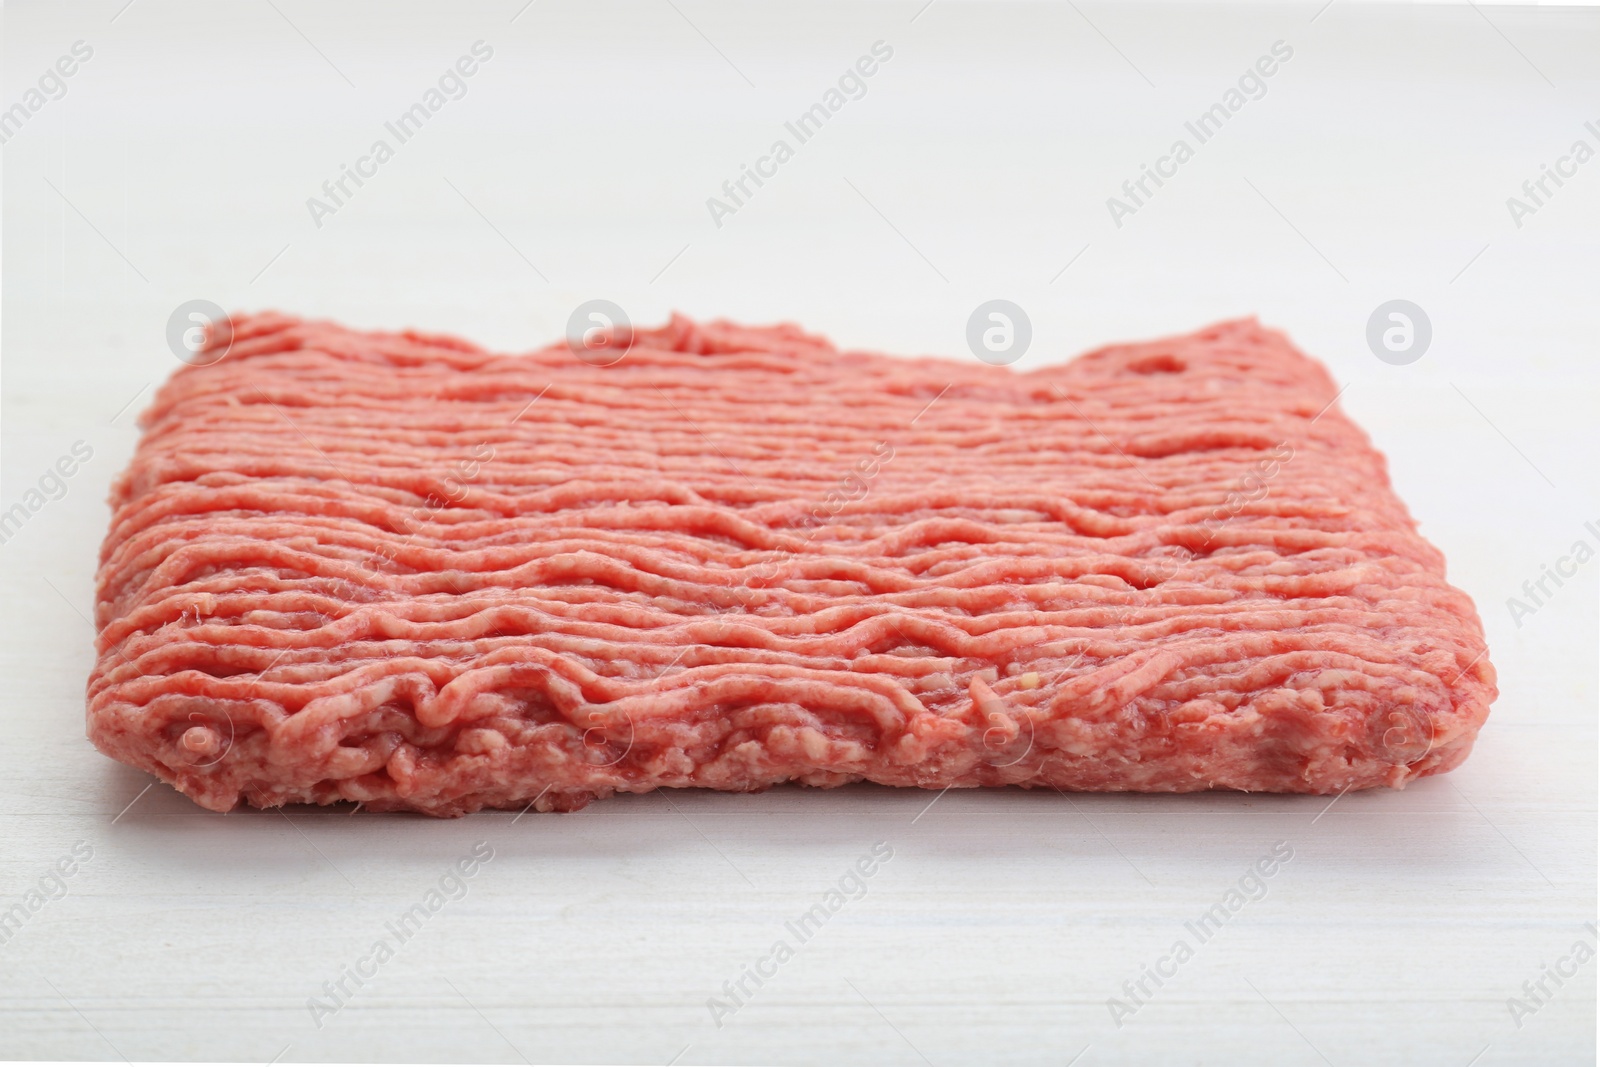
(1377, 166)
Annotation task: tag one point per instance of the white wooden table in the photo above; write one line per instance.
(1376, 166)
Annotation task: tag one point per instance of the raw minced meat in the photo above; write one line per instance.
(402, 570)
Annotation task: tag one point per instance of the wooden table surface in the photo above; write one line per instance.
(1376, 164)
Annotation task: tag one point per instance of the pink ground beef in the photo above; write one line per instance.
(402, 570)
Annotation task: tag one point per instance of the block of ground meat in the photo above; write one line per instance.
(402, 570)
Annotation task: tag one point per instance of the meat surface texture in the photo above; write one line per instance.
(402, 570)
